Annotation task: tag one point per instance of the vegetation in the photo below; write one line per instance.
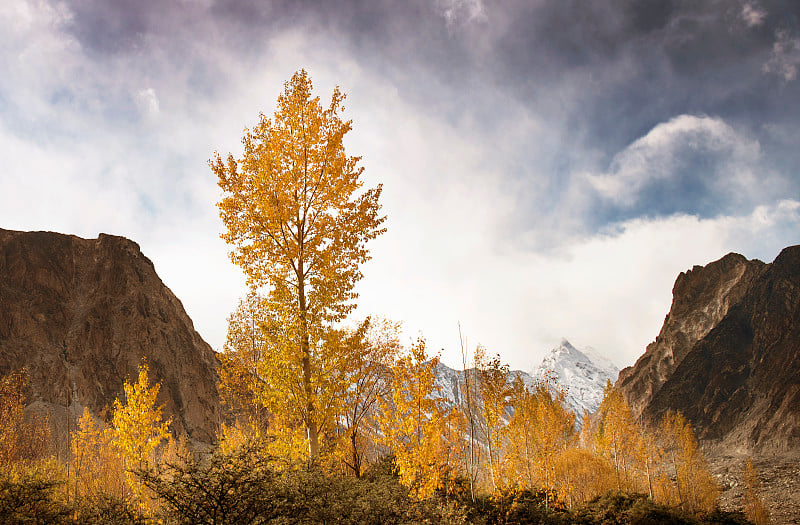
(753, 506)
(299, 221)
(330, 421)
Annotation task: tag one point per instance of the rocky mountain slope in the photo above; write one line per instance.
(728, 355)
(81, 314)
(582, 373)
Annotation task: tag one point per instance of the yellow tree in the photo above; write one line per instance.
(413, 422)
(539, 431)
(695, 485)
(372, 350)
(98, 464)
(519, 460)
(298, 219)
(138, 426)
(494, 392)
(21, 438)
(649, 456)
(617, 437)
(580, 476)
(753, 506)
(258, 381)
(285, 393)
(239, 381)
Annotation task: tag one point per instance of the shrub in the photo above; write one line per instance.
(30, 495)
(108, 510)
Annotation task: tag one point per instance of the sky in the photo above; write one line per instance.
(548, 166)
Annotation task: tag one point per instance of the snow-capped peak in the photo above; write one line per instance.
(582, 373)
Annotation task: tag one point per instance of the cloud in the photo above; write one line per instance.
(461, 11)
(148, 102)
(479, 120)
(689, 164)
(785, 57)
(610, 290)
(37, 60)
(753, 14)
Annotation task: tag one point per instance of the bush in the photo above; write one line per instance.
(29, 495)
(637, 509)
(224, 487)
(242, 487)
(633, 509)
(517, 507)
(108, 510)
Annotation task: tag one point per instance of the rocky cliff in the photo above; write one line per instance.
(81, 314)
(728, 355)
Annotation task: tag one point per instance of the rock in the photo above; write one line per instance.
(728, 355)
(701, 298)
(82, 314)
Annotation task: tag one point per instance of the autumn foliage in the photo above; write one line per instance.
(298, 219)
(754, 507)
(21, 438)
(413, 422)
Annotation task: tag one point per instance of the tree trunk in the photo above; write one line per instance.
(311, 425)
(312, 433)
(356, 466)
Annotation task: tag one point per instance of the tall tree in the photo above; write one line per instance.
(753, 505)
(298, 219)
(617, 436)
(239, 381)
(139, 427)
(540, 429)
(98, 465)
(373, 349)
(695, 485)
(21, 438)
(413, 422)
(494, 391)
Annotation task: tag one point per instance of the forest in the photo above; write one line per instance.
(334, 419)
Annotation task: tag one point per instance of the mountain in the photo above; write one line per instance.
(582, 373)
(82, 314)
(728, 355)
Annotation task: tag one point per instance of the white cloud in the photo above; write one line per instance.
(753, 14)
(453, 251)
(457, 12)
(148, 102)
(785, 57)
(659, 154)
(610, 291)
(38, 59)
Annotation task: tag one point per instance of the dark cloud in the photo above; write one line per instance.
(598, 74)
(648, 15)
(114, 26)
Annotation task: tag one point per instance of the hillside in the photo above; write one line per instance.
(728, 355)
(81, 314)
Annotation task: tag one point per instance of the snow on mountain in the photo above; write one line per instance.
(582, 373)
(450, 383)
